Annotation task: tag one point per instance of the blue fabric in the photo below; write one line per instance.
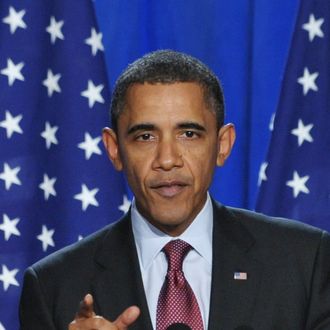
(56, 213)
(297, 181)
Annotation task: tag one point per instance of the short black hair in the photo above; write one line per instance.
(167, 67)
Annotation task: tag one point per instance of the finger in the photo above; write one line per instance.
(92, 323)
(86, 308)
(127, 318)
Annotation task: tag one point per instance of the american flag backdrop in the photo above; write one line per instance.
(295, 179)
(55, 184)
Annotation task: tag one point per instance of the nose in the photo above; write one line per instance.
(168, 155)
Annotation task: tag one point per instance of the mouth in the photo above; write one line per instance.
(169, 189)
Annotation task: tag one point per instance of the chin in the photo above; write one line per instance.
(168, 217)
(170, 224)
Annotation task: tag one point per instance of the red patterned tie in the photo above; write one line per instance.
(177, 302)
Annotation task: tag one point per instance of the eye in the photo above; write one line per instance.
(144, 137)
(190, 134)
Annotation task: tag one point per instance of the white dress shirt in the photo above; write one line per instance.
(197, 265)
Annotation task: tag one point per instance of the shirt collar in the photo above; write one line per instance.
(150, 240)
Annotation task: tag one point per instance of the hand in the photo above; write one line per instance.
(86, 319)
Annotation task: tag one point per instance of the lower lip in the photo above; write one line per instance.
(169, 191)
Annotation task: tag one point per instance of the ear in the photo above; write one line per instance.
(226, 139)
(110, 141)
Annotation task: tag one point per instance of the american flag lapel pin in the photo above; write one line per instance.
(240, 276)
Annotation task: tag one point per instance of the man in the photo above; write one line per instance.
(243, 270)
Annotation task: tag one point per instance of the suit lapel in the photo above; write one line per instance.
(232, 300)
(118, 283)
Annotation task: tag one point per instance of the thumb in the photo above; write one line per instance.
(127, 318)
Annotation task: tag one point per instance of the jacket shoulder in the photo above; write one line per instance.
(266, 222)
(271, 232)
(81, 252)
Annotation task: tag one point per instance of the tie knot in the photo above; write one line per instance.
(175, 252)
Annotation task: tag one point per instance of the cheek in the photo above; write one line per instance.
(203, 175)
(136, 173)
(201, 162)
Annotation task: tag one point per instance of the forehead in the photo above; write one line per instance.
(160, 101)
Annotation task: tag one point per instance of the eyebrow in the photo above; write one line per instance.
(151, 127)
(140, 127)
(191, 125)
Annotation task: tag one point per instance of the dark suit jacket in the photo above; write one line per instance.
(287, 286)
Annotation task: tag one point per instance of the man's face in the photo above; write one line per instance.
(168, 146)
